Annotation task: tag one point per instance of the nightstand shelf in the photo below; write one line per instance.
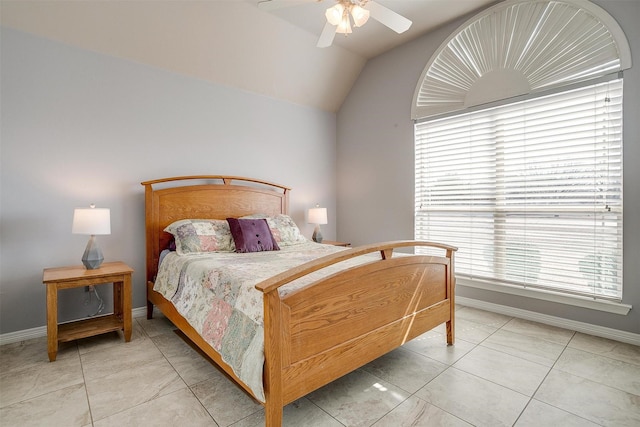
(89, 327)
(56, 279)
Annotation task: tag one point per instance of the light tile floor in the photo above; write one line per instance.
(502, 371)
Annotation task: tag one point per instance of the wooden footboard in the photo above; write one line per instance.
(331, 327)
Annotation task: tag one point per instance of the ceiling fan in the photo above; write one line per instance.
(340, 16)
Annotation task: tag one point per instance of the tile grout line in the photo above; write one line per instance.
(84, 383)
(448, 367)
(179, 376)
(532, 397)
(493, 382)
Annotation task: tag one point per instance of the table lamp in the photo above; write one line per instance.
(92, 221)
(317, 216)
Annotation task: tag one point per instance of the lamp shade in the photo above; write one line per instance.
(91, 221)
(318, 216)
(360, 15)
(334, 14)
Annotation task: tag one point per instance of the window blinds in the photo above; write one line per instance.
(530, 192)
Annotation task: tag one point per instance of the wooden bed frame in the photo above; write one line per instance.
(327, 329)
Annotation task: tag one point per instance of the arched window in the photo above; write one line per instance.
(520, 47)
(519, 147)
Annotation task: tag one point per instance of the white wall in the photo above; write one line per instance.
(80, 127)
(376, 163)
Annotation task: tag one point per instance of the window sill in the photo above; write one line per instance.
(575, 300)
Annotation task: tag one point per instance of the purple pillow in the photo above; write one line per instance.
(252, 235)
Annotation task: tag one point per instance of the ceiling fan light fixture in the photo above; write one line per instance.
(344, 27)
(334, 14)
(360, 15)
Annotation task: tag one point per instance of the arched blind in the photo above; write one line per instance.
(520, 47)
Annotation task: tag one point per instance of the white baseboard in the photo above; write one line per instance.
(587, 328)
(41, 331)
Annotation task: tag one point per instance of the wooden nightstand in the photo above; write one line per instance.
(334, 243)
(55, 279)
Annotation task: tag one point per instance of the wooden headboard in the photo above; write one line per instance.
(204, 197)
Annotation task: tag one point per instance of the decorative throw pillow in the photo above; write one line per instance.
(201, 235)
(283, 228)
(252, 235)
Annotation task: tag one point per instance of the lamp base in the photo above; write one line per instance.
(317, 235)
(92, 257)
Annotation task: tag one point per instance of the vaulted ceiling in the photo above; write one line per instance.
(232, 42)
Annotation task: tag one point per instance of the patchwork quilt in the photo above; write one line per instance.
(215, 293)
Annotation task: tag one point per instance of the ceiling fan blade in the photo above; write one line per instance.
(327, 36)
(388, 17)
(269, 5)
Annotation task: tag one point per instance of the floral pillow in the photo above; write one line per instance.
(201, 235)
(283, 228)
